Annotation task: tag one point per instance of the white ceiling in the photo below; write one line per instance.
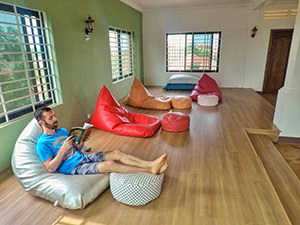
(142, 5)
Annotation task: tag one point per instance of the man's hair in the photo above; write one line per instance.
(38, 114)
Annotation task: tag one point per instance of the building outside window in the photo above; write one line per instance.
(193, 52)
(121, 49)
(27, 78)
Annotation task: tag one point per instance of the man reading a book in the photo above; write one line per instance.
(58, 152)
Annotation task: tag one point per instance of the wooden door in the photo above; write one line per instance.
(277, 59)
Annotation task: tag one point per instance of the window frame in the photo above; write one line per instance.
(128, 65)
(37, 60)
(219, 33)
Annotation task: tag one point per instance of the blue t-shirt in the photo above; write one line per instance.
(48, 146)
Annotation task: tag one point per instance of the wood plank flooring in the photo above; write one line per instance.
(284, 180)
(291, 153)
(271, 98)
(214, 176)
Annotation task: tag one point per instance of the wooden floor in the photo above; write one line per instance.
(283, 178)
(272, 98)
(291, 153)
(214, 176)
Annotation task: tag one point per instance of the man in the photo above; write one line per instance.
(58, 152)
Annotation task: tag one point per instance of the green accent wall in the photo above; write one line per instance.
(83, 67)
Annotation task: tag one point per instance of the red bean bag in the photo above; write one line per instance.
(109, 115)
(175, 122)
(206, 85)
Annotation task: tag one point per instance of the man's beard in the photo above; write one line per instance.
(51, 126)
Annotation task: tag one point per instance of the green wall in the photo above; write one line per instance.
(83, 66)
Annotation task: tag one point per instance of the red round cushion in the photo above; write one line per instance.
(175, 122)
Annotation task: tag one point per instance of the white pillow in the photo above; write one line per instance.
(67, 191)
(183, 79)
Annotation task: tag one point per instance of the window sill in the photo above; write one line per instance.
(23, 118)
(126, 78)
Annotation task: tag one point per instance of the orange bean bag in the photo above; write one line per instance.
(181, 102)
(109, 115)
(140, 97)
(175, 122)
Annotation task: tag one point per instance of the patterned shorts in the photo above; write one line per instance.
(89, 164)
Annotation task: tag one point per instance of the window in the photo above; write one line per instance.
(121, 53)
(26, 72)
(193, 52)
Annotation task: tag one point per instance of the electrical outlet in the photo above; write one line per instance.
(88, 115)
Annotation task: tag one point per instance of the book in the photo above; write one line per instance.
(81, 133)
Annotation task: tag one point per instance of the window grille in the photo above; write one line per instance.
(121, 53)
(27, 78)
(193, 52)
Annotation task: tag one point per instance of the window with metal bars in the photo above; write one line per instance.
(27, 78)
(121, 53)
(193, 52)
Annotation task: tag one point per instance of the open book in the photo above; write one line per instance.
(81, 133)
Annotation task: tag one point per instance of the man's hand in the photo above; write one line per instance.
(87, 137)
(67, 145)
(78, 147)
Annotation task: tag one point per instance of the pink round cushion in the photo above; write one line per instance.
(175, 122)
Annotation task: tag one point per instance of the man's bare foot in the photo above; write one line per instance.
(163, 168)
(158, 163)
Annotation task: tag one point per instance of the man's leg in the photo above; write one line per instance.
(111, 166)
(130, 162)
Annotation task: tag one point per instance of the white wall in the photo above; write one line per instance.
(242, 58)
(258, 47)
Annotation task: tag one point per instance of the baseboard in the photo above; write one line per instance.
(289, 139)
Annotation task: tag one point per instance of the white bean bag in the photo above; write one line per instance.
(137, 188)
(183, 79)
(68, 191)
(208, 100)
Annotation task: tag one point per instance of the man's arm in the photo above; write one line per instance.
(52, 164)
